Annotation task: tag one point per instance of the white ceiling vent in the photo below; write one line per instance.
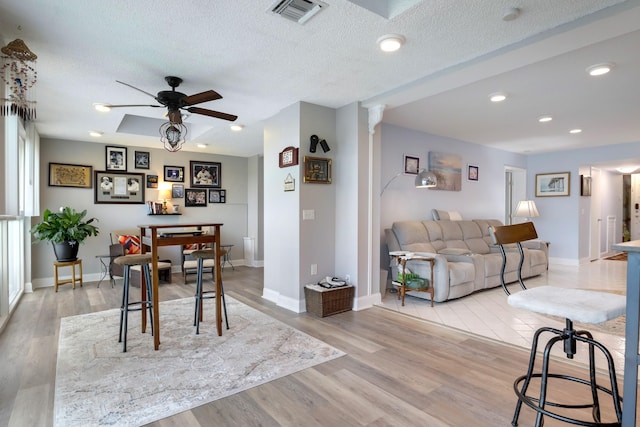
(299, 11)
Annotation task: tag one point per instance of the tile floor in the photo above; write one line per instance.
(488, 314)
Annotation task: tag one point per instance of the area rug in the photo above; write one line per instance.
(614, 326)
(98, 385)
(618, 257)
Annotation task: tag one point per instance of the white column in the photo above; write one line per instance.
(375, 117)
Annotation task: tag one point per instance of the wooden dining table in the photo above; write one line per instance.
(172, 235)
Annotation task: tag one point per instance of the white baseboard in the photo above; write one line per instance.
(564, 261)
(367, 301)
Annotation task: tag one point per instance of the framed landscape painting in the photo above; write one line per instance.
(553, 184)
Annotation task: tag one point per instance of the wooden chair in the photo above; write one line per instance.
(512, 234)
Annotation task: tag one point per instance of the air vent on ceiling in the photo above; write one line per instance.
(299, 11)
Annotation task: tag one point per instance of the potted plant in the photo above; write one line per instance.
(65, 230)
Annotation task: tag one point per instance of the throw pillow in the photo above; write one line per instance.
(131, 244)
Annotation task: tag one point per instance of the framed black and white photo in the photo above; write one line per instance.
(119, 187)
(116, 158)
(205, 174)
(177, 191)
(174, 173)
(195, 197)
(141, 159)
(217, 196)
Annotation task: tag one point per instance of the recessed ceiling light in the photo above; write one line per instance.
(236, 128)
(627, 169)
(575, 131)
(599, 69)
(103, 108)
(202, 145)
(391, 42)
(498, 97)
(545, 119)
(95, 133)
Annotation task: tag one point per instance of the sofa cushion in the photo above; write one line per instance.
(454, 251)
(440, 215)
(412, 236)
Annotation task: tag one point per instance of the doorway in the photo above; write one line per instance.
(515, 183)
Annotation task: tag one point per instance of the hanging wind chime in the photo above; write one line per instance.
(19, 75)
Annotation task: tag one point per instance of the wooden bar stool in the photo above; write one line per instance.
(127, 261)
(574, 305)
(200, 256)
(74, 278)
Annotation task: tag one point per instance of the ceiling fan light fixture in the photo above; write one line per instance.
(103, 108)
(390, 42)
(202, 145)
(173, 136)
(236, 128)
(575, 131)
(545, 119)
(497, 96)
(95, 133)
(600, 69)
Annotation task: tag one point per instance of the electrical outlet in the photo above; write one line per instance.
(314, 269)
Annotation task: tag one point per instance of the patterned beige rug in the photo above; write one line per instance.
(98, 385)
(614, 326)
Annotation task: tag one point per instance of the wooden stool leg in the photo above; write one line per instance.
(73, 275)
(55, 276)
(80, 262)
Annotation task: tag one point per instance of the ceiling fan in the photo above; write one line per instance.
(176, 101)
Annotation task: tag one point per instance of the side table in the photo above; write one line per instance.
(225, 257)
(402, 259)
(106, 269)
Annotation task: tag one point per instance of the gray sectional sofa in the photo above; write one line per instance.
(466, 261)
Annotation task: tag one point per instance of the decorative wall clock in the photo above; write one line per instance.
(288, 157)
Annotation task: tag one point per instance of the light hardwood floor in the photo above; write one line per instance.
(398, 371)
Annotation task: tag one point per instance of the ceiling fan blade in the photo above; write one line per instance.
(211, 113)
(175, 116)
(133, 87)
(209, 95)
(131, 105)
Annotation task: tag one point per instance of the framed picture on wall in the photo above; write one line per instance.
(552, 184)
(116, 158)
(174, 173)
(177, 191)
(64, 175)
(205, 174)
(472, 173)
(141, 159)
(411, 165)
(217, 196)
(195, 197)
(119, 187)
(317, 170)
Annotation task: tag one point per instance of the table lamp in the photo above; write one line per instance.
(164, 195)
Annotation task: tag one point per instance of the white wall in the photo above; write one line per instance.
(477, 199)
(562, 220)
(233, 214)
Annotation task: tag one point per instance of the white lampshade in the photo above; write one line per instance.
(526, 209)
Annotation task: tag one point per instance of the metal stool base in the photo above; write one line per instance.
(569, 337)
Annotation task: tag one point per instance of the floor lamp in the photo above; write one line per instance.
(526, 209)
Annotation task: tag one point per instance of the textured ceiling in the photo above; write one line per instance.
(455, 54)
